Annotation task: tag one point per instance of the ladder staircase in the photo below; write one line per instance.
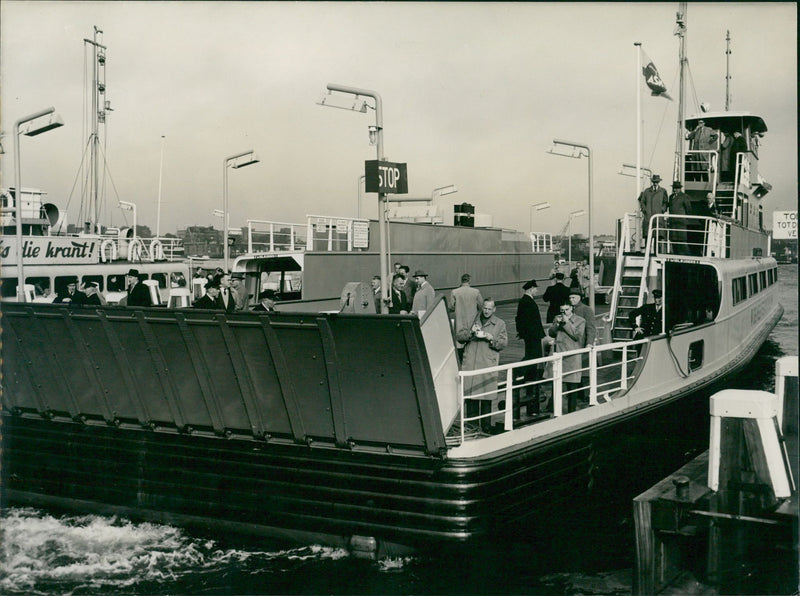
(725, 200)
(628, 292)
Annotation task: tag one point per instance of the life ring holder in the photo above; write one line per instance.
(156, 250)
(108, 250)
(135, 250)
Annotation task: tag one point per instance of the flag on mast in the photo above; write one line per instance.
(652, 78)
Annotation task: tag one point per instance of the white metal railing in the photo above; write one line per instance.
(604, 380)
(320, 232)
(687, 235)
(275, 236)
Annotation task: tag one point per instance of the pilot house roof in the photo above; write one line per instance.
(729, 121)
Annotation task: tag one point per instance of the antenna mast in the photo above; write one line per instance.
(98, 116)
(680, 31)
(727, 70)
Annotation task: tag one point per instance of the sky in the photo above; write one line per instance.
(473, 95)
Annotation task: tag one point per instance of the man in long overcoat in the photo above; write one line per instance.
(531, 331)
(138, 293)
(679, 204)
(569, 332)
(555, 296)
(653, 200)
(465, 302)
(484, 340)
(424, 295)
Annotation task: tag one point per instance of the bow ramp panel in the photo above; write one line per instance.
(328, 380)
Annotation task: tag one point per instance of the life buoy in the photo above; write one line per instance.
(135, 250)
(108, 250)
(156, 250)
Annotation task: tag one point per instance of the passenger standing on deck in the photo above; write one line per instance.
(650, 318)
(703, 138)
(531, 331)
(466, 302)
(210, 300)
(569, 331)
(555, 296)
(399, 304)
(71, 294)
(267, 300)
(585, 277)
(226, 300)
(138, 293)
(375, 282)
(589, 337)
(409, 287)
(679, 204)
(484, 340)
(239, 291)
(424, 296)
(94, 297)
(738, 145)
(652, 201)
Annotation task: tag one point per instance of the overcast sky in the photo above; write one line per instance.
(473, 95)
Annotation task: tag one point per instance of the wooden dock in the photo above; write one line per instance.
(740, 539)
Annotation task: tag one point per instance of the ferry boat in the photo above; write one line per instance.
(351, 428)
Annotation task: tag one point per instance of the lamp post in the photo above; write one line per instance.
(581, 150)
(569, 232)
(160, 172)
(643, 172)
(31, 130)
(536, 207)
(127, 206)
(231, 161)
(361, 180)
(375, 138)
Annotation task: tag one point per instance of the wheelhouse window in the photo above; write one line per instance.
(161, 278)
(8, 287)
(41, 286)
(739, 290)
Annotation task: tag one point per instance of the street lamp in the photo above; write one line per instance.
(569, 232)
(125, 205)
(361, 181)
(31, 130)
(536, 207)
(580, 150)
(249, 159)
(375, 138)
(443, 190)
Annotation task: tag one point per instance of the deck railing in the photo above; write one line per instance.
(605, 370)
(319, 233)
(688, 235)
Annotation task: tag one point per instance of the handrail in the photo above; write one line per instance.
(609, 387)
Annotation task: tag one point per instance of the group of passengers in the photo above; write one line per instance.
(686, 236)
(408, 294)
(89, 294)
(725, 146)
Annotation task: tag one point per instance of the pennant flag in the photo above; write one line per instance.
(652, 78)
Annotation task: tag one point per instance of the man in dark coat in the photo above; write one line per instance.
(650, 322)
(399, 304)
(679, 204)
(210, 300)
(739, 145)
(138, 293)
(71, 294)
(267, 300)
(227, 297)
(530, 330)
(555, 296)
(652, 201)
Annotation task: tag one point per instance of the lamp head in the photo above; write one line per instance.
(53, 122)
(373, 134)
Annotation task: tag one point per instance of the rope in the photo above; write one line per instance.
(677, 364)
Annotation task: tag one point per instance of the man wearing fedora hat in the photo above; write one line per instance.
(652, 201)
(424, 296)
(267, 301)
(679, 204)
(138, 294)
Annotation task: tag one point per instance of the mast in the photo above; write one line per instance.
(727, 70)
(98, 116)
(680, 31)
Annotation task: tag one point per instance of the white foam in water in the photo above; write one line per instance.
(42, 554)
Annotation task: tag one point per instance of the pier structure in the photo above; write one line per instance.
(728, 520)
